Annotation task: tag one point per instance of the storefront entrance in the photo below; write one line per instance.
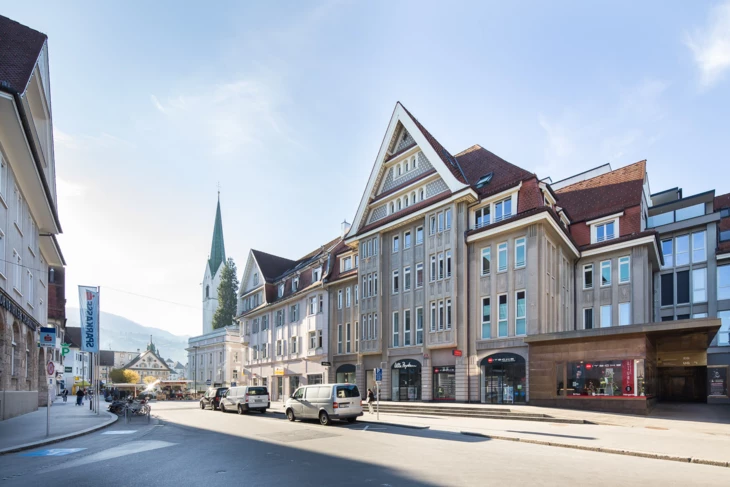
(406, 380)
(504, 379)
(346, 374)
(688, 384)
(444, 383)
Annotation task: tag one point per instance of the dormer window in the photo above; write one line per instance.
(482, 217)
(346, 264)
(256, 279)
(606, 228)
(316, 274)
(294, 284)
(605, 231)
(281, 290)
(502, 210)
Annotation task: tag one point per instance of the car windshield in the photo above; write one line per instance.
(257, 391)
(222, 392)
(347, 391)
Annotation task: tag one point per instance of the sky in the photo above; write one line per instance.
(285, 105)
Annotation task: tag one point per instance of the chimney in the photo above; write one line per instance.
(345, 228)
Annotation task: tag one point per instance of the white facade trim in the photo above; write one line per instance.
(605, 219)
(621, 245)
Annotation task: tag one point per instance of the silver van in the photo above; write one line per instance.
(245, 398)
(325, 402)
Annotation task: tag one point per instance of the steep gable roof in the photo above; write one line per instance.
(271, 266)
(217, 247)
(605, 194)
(20, 47)
(144, 354)
(476, 162)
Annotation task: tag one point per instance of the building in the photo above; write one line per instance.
(29, 219)
(178, 370)
(216, 356)
(57, 319)
(283, 309)
(150, 364)
(77, 364)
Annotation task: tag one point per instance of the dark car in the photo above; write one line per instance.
(212, 397)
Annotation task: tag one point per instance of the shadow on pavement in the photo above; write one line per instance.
(552, 434)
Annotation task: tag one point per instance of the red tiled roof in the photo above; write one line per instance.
(605, 194)
(20, 47)
(476, 161)
(272, 266)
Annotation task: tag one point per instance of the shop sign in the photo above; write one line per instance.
(445, 369)
(505, 358)
(457, 353)
(406, 364)
(627, 372)
(717, 378)
(9, 304)
(68, 369)
(279, 371)
(48, 337)
(326, 364)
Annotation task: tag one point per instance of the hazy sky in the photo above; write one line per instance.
(286, 104)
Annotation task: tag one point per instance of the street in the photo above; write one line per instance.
(187, 446)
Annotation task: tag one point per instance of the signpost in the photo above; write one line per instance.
(48, 337)
(378, 380)
(50, 369)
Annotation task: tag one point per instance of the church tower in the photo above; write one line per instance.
(213, 268)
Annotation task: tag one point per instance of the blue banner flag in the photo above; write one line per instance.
(89, 308)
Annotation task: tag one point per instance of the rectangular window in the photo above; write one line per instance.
(441, 265)
(667, 289)
(441, 315)
(606, 316)
(375, 326)
(723, 336)
(448, 263)
(605, 231)
(339, 338)
(396, 244)
(2, 250)
(348, 298)
(30, 288)
(339, 299)
(312, 340)
(723, 282)
(605, 273)
(279, 348)
(481, 217)
(624, 269)
(346, 264)
(432, 225)
(355, 293)
(441, 221)
(348, 338)
(588, 276)
(375, 283)
(668, 252)
(520, 252)
(502, 257)
(699, 285)
(396, 284)
(281, 290)
(365, 285)
(624, 314)
(357, 337)
(486, 318)
(316, 274)
(419, 326)
(503, 328)
(486, 260)
(313, 305)
(264, 322)
(433, 316)
(407, 278)
(407, 328)
(683, 287)
(395, 329)
(294, 313)
(18, 274)
(419, 275)
(375, 246)
(448, 314)
(502, 210)
(293, 342)
(521, 314)
(587, 318)
(682, 249)
(294, 284)
(433, 268)
(699, 249)
(448, 218)
(419, 235)
(407, 240)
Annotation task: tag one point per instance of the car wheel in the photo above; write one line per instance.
(240, 409)
(351, 420)
(290, 415)
(324, 418)
(222, 408)
(263, 411)
(202, 406)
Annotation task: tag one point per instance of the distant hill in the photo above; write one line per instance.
(122, 334)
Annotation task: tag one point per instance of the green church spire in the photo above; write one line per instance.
(217, 248)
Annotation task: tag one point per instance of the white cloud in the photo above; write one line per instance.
(157, 103)
(711, 45)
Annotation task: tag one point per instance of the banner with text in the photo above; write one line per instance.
(89, 308)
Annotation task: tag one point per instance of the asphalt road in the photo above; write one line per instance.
(187, 446)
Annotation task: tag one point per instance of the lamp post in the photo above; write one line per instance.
(195, 379)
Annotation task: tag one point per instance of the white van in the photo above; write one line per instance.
(245, 398)
(325, 402)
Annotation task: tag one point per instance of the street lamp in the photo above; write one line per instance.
(195, 379)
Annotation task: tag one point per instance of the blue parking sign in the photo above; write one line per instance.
(378, 375)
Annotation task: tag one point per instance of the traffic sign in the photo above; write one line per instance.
(207, 382)
(378, 375)
(326, 364)
(233, 384)
(50, 368)
(48, 337)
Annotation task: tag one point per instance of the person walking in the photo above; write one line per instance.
(79, 397)
(64, 394)
(371, 400)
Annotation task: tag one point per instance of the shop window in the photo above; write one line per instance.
(667, 288)
(682, 250)
(699, 249)
(606, 378)
(486, 260)
(520, 252)
(624, 269)
(588, 276)
(605, 273)
(587, 318)
(560, 379)
(606, 313)
(486, 318)
(683, 287)
(723, 336)
(699, 285)
(667, 252)
(624, 314)
(503, 328)
(723, 282)
(502, 257)
(444, 383)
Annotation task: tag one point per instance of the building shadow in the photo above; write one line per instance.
(552, 434)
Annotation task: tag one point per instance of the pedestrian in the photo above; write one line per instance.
(64, 394)
(371, 400)
(79, 397)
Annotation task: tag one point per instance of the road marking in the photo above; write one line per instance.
(119, 451)
(125, 432)
(366, 428)
(54, 452)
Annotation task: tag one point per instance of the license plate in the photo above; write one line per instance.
(344, 405)
(257, 400)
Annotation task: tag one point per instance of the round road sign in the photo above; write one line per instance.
(50, 368)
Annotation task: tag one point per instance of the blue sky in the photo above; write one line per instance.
(286, 105)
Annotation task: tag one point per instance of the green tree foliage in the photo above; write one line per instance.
(226, 296)
(122, 376)
(150, 379)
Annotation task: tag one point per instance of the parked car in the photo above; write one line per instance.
(246, 398)
(212, 397)
(325, 403)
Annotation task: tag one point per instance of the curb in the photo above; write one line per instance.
(600, 449)
(13, 449)
(365, 421)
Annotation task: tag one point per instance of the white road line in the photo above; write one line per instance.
(125, 432)
(120, 451)
(366, 427)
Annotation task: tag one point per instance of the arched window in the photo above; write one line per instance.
(256, 279)
(406, 201)
(415, 162)
(413, 197)
(406, 166)
(420, 197)
(392, 207)
(398, 205)
(399, 170)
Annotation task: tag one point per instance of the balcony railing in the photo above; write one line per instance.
(603, 238)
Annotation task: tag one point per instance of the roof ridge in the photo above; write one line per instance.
(604, 175)
(469, 149)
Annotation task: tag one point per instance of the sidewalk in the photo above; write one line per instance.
(67, 421)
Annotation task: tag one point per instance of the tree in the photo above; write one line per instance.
(226, 296)
(150, 379)
(124, 376)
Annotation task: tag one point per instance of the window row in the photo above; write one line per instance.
(369, 247)
(370, 326)
(441, 315)
(439, 222)
(407, 240)
(606, 316)
(676, 288)
(415, 196)
(492, 213)
(407, 282)
(347, 341)
(677, 251)
(520, 316)
(348, 296)
(502, 256)
(407, 335)
(251, 302)
(440, 266)
(370, 285)
(404, 167)
(624, 272)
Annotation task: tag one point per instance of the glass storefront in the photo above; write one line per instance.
(294, 381)
(346, 374)
(444, 383)
(314, 379)
(504, 379)
(602, 378)
(406, 380)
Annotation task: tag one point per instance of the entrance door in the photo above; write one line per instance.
(688, 384)
(279, 388)
(406, 380)
(504, 379)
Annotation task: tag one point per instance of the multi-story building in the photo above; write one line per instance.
(77, 364)
(150, 364)
(282, 307)
(29, 219)
(57, 319)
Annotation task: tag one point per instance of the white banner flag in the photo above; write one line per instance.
(89, 308)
